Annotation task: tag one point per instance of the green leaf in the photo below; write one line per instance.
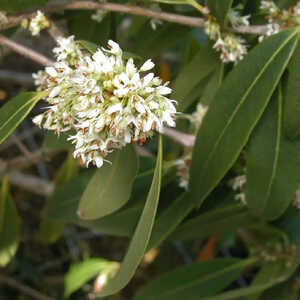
(9, 225)
(169, 220)
(141, 237)
(273, 164)
(214, 222)
(265, 275)
(235, 111)
(110, 187)
(220, 9)
(284, 272)
(52, 141)
(20, 5)
(83, 27)
(80, 273)
(155, 42)
(292, 97)
(51, 230)
(63, 203)
(195, 280)
(213, 84)
(15, 110)
(202, 64)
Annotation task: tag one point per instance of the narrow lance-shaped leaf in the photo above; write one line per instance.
(202, 64)
(283, 272)
(194, 281)
(140, 239)
(236, 108)
(292, 97)
(15, 110)
(273, 164)
(265, 275)
(220, 9)
(110, 187)
(9, 225)
(214, 222)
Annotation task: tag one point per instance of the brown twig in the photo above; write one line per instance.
(33, 294)
(24, 51)
(187, 140)
(129, 9)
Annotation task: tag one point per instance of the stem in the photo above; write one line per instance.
(33, 294)
(24, 51)
(129, 9)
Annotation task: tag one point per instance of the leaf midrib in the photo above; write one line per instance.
(242, 102)
(277, 150)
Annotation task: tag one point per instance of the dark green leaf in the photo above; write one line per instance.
(273, 164)
(220, 9)
(82, 272)
(83, 27)
(9, 225)
(110, 187)
(63, 203)
(15, 110)
(213, 84)
(214, 222)
(155, 42)
(141, 237)
(194, 281)
(235, 110)
(20, 5)
(52, 141)
(169, 219)
(266, 274)
(283, 273)
(292, 97)
(203, 63)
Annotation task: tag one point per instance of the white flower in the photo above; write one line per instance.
(212, 28)
(38, 23)
(107, 102)
(232, 48)
(99, 15)
(148, 65)
(155, 23)
(237, 20)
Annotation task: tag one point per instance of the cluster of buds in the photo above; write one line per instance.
(232, 47)
(104, 101)
(237, 185)
(99, 15)
(183, 163)
(37, 23)
(279, 19)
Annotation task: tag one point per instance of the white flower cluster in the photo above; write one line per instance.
(106, 101)
(232, 47)
(279, 19)
(38, 23)
(183, 164)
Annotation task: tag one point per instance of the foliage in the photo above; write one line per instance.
(220, 191)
